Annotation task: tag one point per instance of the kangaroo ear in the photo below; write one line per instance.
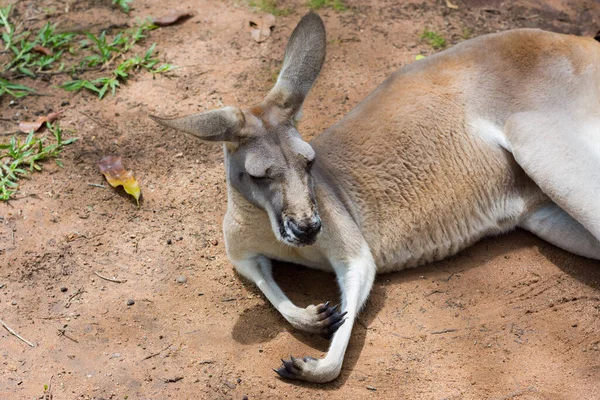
(221, 125)
(304, 56)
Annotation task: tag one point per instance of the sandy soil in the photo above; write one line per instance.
(510, 318)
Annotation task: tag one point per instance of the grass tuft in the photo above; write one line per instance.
(19, 159)
(34, 53)
(124, 5)
(337, 5)
(14, 89)
(100, 86)
(434, 39)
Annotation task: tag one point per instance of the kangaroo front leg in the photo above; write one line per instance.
(355, 279)
(322, 318)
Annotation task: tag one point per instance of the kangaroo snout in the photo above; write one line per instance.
(304, 231)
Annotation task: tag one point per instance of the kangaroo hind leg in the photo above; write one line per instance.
(561, 153)
(554, 225)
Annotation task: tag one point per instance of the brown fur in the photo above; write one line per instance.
(420, 169)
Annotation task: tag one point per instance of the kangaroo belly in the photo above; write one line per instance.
(446, 233)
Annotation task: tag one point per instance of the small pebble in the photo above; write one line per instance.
(200, 294)
(169, 241)
(14, 303)
(574, 325)
(130, 302)
(215, 242)
(244, 397)
(180, 238)
(65, 103)
(230, 385)
(371, 388)
(63, 289)
(181, 279)
(1, 285)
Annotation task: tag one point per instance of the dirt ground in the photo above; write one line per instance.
(510, 318)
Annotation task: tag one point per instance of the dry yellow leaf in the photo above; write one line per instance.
(112, 169)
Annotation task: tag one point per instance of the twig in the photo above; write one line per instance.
(110, 279)
(434, 292)
(40, 94)
(99, 122)
(155, 354)
(443, 331)
(97, 185)
(62, 332)
(173, 380)
(68, 71)
(79, 291)
(491, 11)
(517, 393)
(12, 332)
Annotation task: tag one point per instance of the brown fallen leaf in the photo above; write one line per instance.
(42, 50)
(262, 28)
(112, 169)
(26, 127)
(171, 17)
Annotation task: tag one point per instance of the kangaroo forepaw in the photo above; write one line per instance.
(308, 369)
(329, 319)
(321, 319)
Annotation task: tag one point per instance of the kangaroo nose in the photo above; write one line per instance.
(306, 229)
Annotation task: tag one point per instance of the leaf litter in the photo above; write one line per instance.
(26, 127)
(116, 175)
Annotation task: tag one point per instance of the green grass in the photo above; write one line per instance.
(14, 89)
(22, 46)
(91, 52)
(124, 5)
(101, 86)
(337, 5)
(19, 159)
(270, 7)
(435, 40)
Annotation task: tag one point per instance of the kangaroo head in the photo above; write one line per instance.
(267, 161)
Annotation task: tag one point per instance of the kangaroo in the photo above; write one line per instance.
(498, 132)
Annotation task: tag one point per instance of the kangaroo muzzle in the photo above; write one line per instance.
(304, 231)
